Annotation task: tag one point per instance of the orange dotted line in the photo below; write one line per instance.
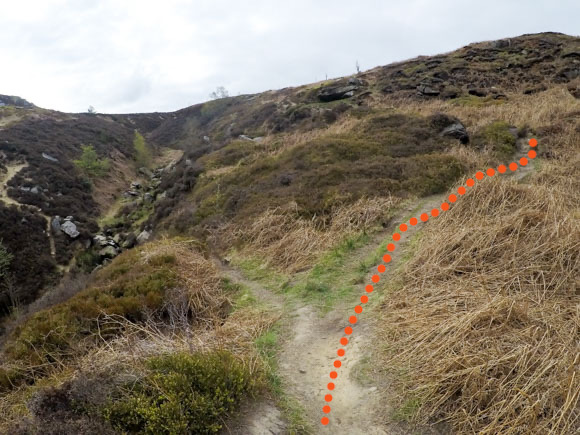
(387, 258)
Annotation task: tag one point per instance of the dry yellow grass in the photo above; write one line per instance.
(290, 243)
(485, 328)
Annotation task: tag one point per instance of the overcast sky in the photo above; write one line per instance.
(139, 56)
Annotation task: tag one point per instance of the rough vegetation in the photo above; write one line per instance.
(144, 334)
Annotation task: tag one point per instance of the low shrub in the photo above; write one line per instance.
(181, 393)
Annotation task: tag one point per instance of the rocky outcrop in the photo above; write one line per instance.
(337, 93)
(9, 100)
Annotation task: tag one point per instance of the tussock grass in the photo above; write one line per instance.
(486, 324)
(289, 242)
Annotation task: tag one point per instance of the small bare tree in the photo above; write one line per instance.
(92, 110)
(220, 92)
(357, 67)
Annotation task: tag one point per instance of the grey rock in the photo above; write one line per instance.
(55, 223)
(129, 242)
(68, 218)
(147, 198)
(135, 185)
(117, 238)
(109, 252)
(456, 130)
(24, 189)
(206, 138)
(244, 137)
(49, 157)
(427, 90)
(336, 93)
(143, 237)
(69, 229)
(100, 240)
(35, 190)
(355, 82)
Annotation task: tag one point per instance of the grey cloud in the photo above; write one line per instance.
(143, 56)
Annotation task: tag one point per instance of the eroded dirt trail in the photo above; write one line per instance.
(311, 341)
(12, 170)
(309, 346)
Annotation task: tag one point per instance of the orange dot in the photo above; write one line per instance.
(348, 330)
(333, 375)
(358, 309)
(340, 352)
(326, 409)
(391, 247)
(444, 206)
(470, 182)
(532, 154)
(328, 397)
(452, 198)
(461, 190)
(352, 319)
(479, 175)
(381, 268)
(403, 227)
(344, 340)
(330, 386)
(364, 299)
(435, 212)
(533, 142)
(324, 421)
(424, 217)
(490, 172)
(523, 161)
(375, 278)
(386, 258)
(337, 364)
(396, 237)
(501, 169)
(513, 166)
(413, 221)
(369, 288)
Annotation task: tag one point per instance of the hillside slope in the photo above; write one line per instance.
(261, 218)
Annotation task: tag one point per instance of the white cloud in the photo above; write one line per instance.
(132, 56)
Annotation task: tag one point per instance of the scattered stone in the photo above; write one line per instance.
(55, 223)
(69, 229)
(135, 185)
(108, 252)
(502, 43)
(427, 90)
(148, 198)
(336, 93)
(355, 82)
(35, 190)
(100, 240)
(456, 130)
(49, 157)
(129, 242)
(302, 371)
(206, 138)
(68, 218)
(143, 237)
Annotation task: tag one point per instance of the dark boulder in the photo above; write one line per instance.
(449, 126)
(336, 93)
(427, 90)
